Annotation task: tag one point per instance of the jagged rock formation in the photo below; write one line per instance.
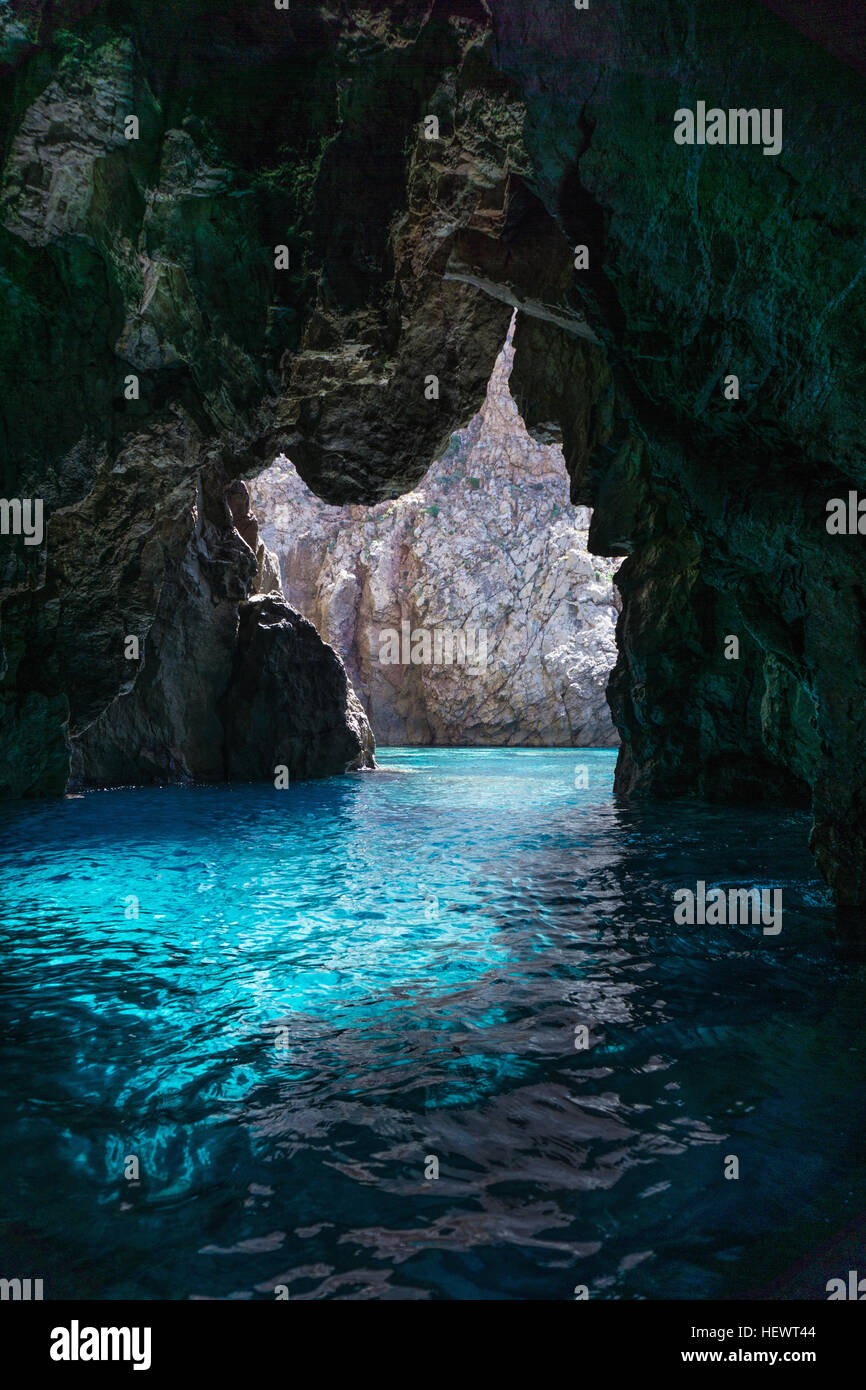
(306, 128)
(282, 664)
(130, 283)
(708, 261)
(487, 543)
(233, 682)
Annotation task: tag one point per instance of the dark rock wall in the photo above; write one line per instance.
(708, 261)
(262, 127)
(151, 258)
(282, 663)
(201, 709)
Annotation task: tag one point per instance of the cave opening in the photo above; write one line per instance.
(467, 611)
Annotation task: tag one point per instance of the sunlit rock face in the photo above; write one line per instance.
(487, 551)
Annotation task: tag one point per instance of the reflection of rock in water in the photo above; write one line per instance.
(489, 542)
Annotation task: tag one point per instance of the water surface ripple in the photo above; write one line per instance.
(329, 985)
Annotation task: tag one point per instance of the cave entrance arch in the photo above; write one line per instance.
(468, 610)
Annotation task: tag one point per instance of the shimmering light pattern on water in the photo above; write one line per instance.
(327, 984)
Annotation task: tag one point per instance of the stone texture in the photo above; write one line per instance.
(281, 664)
(267, 578)
(194, 709)
(305, 128)
(708, 261)
(488, 541)
(124, 257)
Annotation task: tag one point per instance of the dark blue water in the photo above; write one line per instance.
(328, 986)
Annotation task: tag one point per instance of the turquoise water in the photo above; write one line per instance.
(327, 986)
